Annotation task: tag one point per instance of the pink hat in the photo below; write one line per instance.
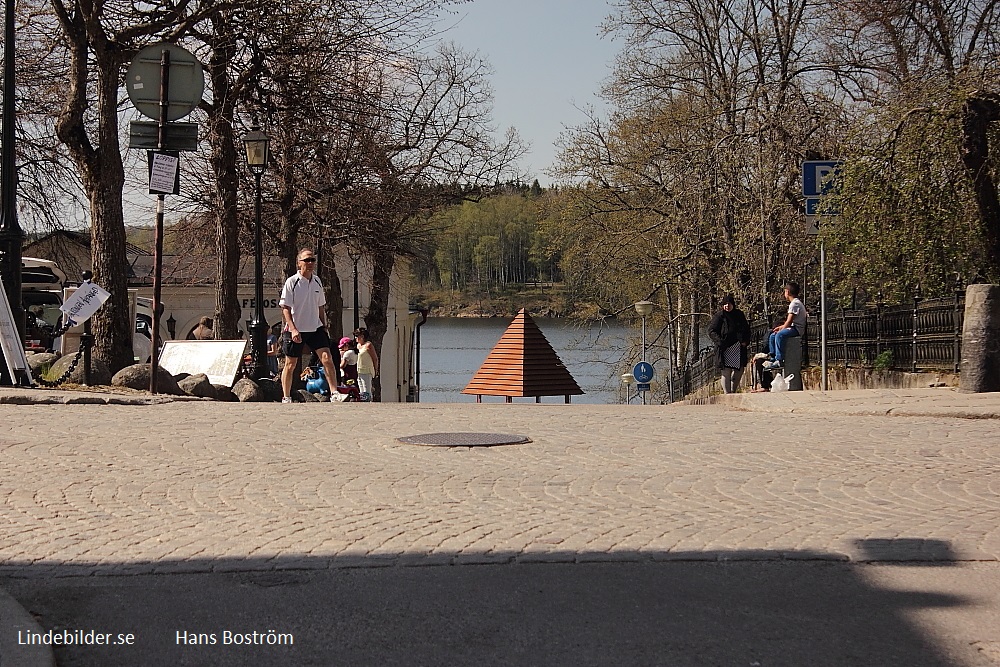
(346, 340)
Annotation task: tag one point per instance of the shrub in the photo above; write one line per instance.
(883, 361)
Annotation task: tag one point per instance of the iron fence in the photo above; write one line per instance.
(924, 334)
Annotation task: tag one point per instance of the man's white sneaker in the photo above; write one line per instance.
(286, 399)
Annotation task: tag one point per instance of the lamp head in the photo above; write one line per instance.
(644, 308)
(256, 144)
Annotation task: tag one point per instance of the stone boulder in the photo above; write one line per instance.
(247, 391)
(41, 362)
(224, 393)
(272, 390)
(303, 396)
(99, 371)
(197, 385)
(136, 376)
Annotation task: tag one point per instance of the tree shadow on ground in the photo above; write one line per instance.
(760, 608)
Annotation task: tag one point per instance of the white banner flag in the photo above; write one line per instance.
(86, 300)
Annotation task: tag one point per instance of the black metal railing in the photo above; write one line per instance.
(923, 334)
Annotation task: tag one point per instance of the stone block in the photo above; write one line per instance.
(793, 363)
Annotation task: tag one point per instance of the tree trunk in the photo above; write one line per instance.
(112, 325)
(290, 250)
(980, 110)
(103, 178)
(377, 319)
(223, 159)
(694, 335)
(334, 297)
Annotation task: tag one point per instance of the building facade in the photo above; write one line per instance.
(188, 294)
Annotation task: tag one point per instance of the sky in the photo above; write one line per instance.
(549, 62)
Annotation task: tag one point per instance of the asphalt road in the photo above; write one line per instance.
(764, 614)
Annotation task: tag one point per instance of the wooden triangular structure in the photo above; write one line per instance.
(522, 363)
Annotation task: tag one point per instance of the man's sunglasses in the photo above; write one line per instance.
(308, 260)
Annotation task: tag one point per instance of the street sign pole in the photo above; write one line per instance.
(161, 137)
(819, 178)
(154, 65)
(822, 310)
(643, 353)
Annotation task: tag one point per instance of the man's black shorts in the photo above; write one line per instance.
(316, 340)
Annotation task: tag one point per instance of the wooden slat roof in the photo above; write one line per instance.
(523, 363)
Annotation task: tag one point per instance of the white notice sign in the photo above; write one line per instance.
(11, 344)
(220, 360)
(86, 301)
(163, 173)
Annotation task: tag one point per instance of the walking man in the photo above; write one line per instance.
(302, 308)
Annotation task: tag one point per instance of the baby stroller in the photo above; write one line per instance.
(760, 377)
(347, 393)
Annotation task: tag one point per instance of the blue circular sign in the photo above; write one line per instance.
(643, 371)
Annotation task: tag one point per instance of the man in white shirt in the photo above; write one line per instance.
(794, 325)
(302, 308)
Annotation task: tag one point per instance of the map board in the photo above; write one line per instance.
(220, 360)
(11, 344)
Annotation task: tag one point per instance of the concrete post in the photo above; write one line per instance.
(793, 363)
(981, 339)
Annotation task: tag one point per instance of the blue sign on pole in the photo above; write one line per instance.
(819, 176)
(642, 386)
(814, 207)
(643, 373)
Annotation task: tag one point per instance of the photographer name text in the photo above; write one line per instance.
(230, 638)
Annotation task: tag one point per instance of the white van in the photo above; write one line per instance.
(42, 282)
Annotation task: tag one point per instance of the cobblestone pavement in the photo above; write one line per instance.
(201, 486)
(936, 402)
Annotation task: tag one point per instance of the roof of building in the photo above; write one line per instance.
(71, 251)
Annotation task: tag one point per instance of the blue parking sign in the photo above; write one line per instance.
(819, 176)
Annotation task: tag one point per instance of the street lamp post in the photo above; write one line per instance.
(643, 308)
(11, 234)
(355, 254)
(628, 379)
(256, 144)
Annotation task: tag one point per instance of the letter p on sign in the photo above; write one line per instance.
(819, 177)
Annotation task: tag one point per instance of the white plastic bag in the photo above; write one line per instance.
(780, 382)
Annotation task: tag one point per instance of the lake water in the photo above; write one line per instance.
(453, 349)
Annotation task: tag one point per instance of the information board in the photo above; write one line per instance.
(220, 360)
(11, 344)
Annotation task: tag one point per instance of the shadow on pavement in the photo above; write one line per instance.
(759, 609)
(912, 551)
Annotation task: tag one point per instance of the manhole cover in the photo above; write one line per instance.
(464, 439)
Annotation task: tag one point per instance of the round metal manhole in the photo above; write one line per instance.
(464, 439)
